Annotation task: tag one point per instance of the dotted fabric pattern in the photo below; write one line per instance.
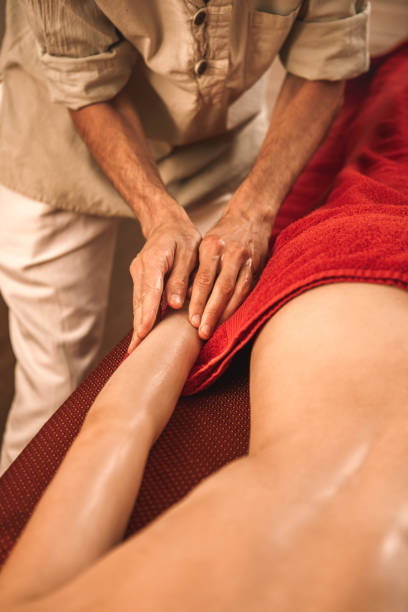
(205, 432)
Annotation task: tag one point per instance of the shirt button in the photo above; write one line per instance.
(200, 67)
(200, 17)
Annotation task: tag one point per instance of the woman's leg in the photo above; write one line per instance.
(85, 509)
(329, 379)
(315, 517)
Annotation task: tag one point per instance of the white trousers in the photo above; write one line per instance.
(55, 270)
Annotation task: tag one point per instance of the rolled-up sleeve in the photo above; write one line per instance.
(84, 58)
(329, 40)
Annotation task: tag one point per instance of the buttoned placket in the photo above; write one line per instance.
(199, 25)
(210, 25)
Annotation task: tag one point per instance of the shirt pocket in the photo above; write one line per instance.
(268, 28)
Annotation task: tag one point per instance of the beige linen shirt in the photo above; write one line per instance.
(194, 69)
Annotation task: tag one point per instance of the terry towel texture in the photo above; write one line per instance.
(345, 219)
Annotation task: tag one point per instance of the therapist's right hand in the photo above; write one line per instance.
(162, 269)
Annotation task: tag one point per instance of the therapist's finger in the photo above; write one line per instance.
(244, 284)
(209, 257)
(152, 289)
(137, 308)
(177, 283)
(223, 290)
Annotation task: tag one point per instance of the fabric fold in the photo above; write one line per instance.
(345, 219)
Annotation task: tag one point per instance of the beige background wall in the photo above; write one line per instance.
(389, 24)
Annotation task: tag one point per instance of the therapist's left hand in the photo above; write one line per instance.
(231, 257)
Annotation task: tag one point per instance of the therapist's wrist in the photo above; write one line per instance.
(252, 203)
(157, 207)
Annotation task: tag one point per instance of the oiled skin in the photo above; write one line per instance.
(314, 518)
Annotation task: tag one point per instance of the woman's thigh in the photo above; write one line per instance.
(329, 401)
(333, 359)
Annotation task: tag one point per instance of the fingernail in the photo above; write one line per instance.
(175, 299)
(205, 330)
(195, 320)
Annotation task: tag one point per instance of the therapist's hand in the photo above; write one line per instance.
(231, 258)
(162, 270)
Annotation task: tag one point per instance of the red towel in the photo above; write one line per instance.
(346, 218)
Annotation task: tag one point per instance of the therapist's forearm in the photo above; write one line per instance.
(301, 118)
(115, 137)
(162, 268)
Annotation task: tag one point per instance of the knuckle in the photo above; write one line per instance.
(203, 280)
(157, 254)
(180, 279)
(211, 315)
(238, 250)
(133, 265)
(154, 289)
(186, 257)
(194, 238)
(227, 286)
(235, 245)
(211, 242)
(155, 265)
(155, 257)
(193, 246)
